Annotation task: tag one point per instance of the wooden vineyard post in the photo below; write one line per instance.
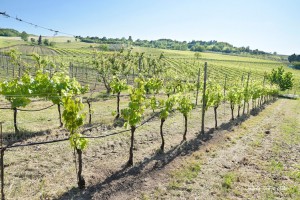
(70, 68)
(2, 163)
(132, 75)
(97, 79)
(19, 73)
(50, 69)
(86, 73)
(203, 98)
(262, 97)
(198, 86)
(2, 60)
(239, 105)
(13, 71)
(225, 82)
(247, 84)
(6, 67)
(140, 63)
(90, 111)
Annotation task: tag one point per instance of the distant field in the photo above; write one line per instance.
(10, 41)
(182, 62)
(44, 165)
(59, 39)
(62, 42)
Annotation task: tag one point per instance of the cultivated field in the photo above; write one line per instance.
(253, 156)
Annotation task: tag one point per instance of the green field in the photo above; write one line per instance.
(184, 63)
(41, 165)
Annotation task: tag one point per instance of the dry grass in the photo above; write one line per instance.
(44, 166)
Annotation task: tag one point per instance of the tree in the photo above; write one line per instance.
(130, 39)
(57, 84)
(185, 106)
(197, 55)
(292, 58)
(24, 36)
(52, 44)
(73, 119)
(32, 40)
(283, 79)
(214, 96)
(166, 108)
(198, 48)
(133, 114)
(233, 96)
(117, 86)
(40, 40)
(103, 47)
(46, 42)
(62, 83)
(17, 92)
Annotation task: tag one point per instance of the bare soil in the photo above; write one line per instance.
(253, 157)
(247, 153)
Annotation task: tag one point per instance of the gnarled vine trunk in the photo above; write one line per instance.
(81, 181)
(15, 121)
(90, 111)
(239, 109)
(232, 108)
(130, 160)
(248, 108)
(216, 118)
(185, 127)
(162, 147)
(59, 113)
(106, 84)
(118, 105)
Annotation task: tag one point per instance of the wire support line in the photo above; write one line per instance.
(27, 110)
(88, 137)
(36, 109)
(35, 25)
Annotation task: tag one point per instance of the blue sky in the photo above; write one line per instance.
(269, 25)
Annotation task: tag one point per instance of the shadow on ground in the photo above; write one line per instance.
(126, 178)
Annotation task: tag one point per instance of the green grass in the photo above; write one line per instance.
(228, 181)
(57, 39)
(10, 41)
(185, 174)
(276, 166)
(182, 63)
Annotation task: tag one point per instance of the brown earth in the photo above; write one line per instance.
(254, 159)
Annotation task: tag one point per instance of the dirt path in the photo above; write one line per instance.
(254, 159)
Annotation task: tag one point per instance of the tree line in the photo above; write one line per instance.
(294, 58)
(194, 45)
(13, 33)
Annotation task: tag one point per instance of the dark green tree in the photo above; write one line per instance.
(292, 58)
(40, 40)
(24, 36)
(46, 42)
(283, 79)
